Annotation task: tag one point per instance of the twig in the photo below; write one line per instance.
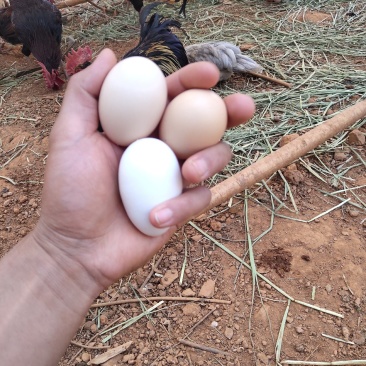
(9, 180)
(198, 323)
(203, 347)
(97, 6)
(92, 339)
(345, 281)
(336, 339)
(153, 270)
(270, 78)
(68, 3)
(320, 363)
(89, 347)
(168, 298)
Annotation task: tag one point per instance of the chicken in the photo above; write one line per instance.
(138, 4)
(158, 43)
(183, 7)
(226, 56)
(36, 24)
(77, 60)
(7, 30)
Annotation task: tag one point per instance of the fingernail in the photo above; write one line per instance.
(164, 216)
(201, 168)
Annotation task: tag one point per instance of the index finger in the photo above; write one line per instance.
(198, 75)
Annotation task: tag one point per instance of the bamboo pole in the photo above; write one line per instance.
(285, 155)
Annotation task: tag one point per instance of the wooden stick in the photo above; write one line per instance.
(167, 298)
(89, 347)
(68, 3)
(153, 270)
(96, 6)
(270, 78)
(198, 323)
(203, 347)
(285, 155)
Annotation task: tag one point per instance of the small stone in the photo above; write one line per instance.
(262, 357)
(299, 348)
(356, 137)
(353, 213)
(328, 288)
(229, 332)
(216, 225)
(214, 324)
(345, 332)
(292, 167)
(345, 233)
(88, 324)
(208, 289)
(264, 343)
(22, 199)
(6, 203)
(359, 338)
(188, 292)
(340, 156)
(358, 302)
(299, 330)
(103, 319)
(169, 277)
(191, 309)
(93, 328)
(294, 176)
(288, 138)
(289, 319)
(128, 358)
(85, 356)
(33, 203)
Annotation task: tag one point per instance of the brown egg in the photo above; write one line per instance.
(194, 120)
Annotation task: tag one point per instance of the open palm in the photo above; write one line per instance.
(81, 206)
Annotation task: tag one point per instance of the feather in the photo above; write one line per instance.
(158, 43)
(225, 55)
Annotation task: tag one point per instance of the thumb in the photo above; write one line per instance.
(79, 111)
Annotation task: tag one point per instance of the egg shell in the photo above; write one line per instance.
(194, 120)
(132, 100)
(149, 174)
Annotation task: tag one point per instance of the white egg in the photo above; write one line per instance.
(149, 174)
(132, 100)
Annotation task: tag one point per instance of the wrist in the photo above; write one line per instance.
(61, 270)
(45, 294)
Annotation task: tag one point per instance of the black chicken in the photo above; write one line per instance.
(138, 4)
(158, 43)
(36, 24)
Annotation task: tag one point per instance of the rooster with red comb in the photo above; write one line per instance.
(36, 24)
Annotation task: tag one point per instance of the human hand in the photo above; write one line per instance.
(83, 221)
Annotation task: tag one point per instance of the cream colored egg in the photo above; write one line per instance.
(132, 100)
(194, 120)
(149, 174)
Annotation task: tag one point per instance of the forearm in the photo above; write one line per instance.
(42, 304)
